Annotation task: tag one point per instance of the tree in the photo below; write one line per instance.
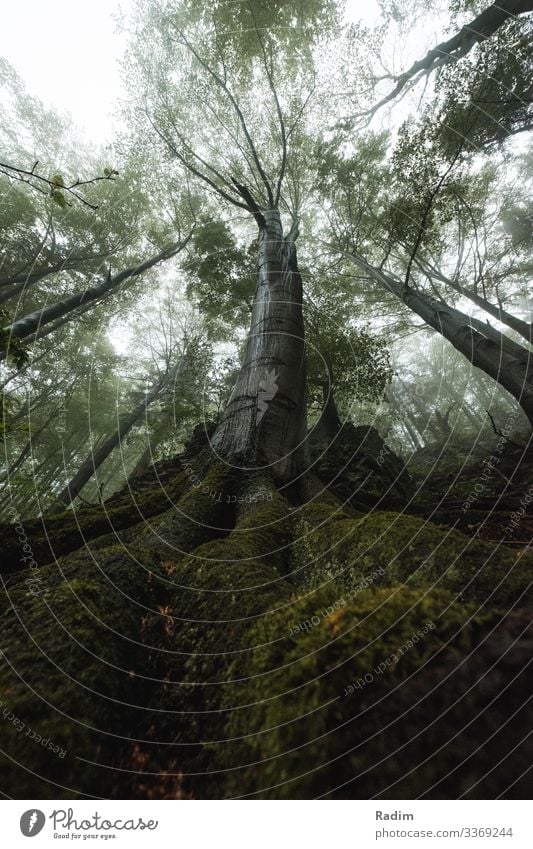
(260, 176)
(38, 324)
(399, 225)
(449, 52)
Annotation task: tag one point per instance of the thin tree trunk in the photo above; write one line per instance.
(503, 360)
(413, 432)
(329, 422)
(264, 424)
(33, 322)
(142, 463)
(10, 471)
(95, 459)
(405, 418)
(517, 324)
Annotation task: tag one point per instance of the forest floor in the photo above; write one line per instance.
(372, 639)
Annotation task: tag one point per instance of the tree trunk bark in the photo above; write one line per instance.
(30, 325)
(503, 360)
(523, 328)
(264, 424)
(514, 323)
(484, 352)
(411, 429)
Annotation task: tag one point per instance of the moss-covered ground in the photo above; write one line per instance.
(199, 649)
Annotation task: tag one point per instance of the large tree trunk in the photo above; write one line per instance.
(523, 328)
(503, 360)
(264, 424)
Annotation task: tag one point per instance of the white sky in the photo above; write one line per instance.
(67, 52)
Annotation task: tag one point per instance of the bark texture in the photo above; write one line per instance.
(499, 357)
(264, 424)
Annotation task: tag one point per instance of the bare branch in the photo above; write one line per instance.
(270, 77)
(13, 172)
(455, 48)
(224, 87)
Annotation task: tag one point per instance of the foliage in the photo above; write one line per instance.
(220, 275)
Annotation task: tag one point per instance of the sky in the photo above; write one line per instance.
(68, 52)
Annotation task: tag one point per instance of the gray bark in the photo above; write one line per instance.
(264, 424)
(30, 325)
(506, 362)
(477, 30)
(11, 286)
(523, 328)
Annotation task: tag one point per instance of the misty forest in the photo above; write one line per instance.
(266, 495)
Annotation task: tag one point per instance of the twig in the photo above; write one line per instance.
(24, 176)
(498, 432)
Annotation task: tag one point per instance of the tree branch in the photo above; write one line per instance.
(223, 85)
(24, 176)
(455, 48)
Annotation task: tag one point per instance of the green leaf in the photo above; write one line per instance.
(59, 198)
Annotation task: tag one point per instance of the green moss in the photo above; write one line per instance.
(53, 536)
(216, 594)
(377, 698)
(395, 548)
(202, 513)
(70, 669)
(199, 631)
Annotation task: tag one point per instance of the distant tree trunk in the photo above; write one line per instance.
(506, 362)
(142, 463)
(405, 419)
(264, 423)
(405, 413)
(97, 457)
(31, 324)
(523, 328)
